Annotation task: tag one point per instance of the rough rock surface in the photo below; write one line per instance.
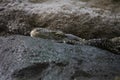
(15, 22)
(26, 58)
(84, 18)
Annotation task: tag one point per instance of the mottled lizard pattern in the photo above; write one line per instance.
(112, 45)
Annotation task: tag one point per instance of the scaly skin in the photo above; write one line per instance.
(112, 45)
(54, 35)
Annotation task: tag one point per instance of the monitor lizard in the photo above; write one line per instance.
(112, 45)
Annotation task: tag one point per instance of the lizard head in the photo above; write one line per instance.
(36, 32)
(41, 32)
(47, 33)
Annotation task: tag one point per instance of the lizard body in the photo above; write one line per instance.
(112, 45)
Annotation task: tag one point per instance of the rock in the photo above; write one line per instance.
(15, 22)
(37, 1)
(26, 58)
(86, 19)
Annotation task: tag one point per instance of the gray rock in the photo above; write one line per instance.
(26, 58)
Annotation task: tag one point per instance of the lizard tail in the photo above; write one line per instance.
(105, 44)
